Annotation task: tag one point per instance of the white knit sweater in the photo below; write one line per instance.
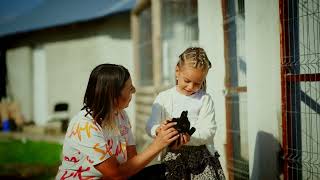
(170, 103)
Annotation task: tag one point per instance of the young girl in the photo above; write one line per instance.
(99, 141)
(195, 157)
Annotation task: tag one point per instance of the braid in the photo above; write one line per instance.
(197, 58)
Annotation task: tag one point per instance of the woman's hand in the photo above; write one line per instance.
(162, 125)
(112, 168)
(166, 134)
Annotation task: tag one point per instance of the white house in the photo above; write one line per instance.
(52, 48)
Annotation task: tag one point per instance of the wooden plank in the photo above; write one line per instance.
(142, 118)
(140, 6)
(151, 90)
(156, 42)
(144, 109)
(144, 100)
(135, 39)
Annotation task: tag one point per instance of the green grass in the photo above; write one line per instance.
(29, 159)
(30, 152)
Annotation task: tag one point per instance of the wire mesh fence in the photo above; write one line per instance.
(300, 72)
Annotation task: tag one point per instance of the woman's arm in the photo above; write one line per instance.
(131, 151)
(112, 168)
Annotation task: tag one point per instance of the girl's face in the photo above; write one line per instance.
(126, 95)
(189, 79)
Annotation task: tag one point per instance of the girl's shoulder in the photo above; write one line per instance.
(165, 94)
(199, 95)
(204, 94)
(167, 91)
(207, 99)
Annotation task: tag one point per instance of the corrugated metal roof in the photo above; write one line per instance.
(17, 16)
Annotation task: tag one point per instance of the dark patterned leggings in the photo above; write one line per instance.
(192, 162)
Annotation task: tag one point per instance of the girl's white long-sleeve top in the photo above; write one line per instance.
(170, 103)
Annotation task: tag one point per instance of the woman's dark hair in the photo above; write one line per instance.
(104, 88)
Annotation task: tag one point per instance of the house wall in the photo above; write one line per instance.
(71, 76)
(71, 53)
(19, 65)
(264, 90)
(211, 39)
(262, 52)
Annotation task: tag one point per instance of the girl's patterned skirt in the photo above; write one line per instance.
(192, 162)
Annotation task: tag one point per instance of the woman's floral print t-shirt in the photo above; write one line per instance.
(87, 144)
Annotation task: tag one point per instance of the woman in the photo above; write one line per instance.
(99, 142)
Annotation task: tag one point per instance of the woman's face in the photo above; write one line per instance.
(126, 95)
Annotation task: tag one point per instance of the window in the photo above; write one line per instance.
(179, 31)
(145, 48)
(236, 89)
(161, 30)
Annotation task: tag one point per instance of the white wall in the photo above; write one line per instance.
(71, 62)
(211, 39)
(70, 57)
(263, 78)
(263, 85)
(20, 83)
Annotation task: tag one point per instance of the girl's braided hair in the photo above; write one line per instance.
(195, 57)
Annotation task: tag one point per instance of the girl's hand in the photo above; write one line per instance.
(184, 139)
(166, 134)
